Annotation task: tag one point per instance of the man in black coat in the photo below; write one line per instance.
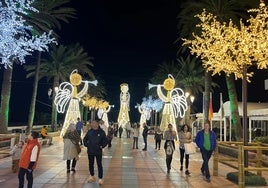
(95, 140)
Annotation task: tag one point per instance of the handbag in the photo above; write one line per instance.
(190, 148)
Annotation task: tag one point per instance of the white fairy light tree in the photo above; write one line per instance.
(17, 42)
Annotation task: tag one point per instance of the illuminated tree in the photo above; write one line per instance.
(225, 10)
(17, 42)
(230, 49)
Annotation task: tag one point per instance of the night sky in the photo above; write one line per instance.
(127, 40)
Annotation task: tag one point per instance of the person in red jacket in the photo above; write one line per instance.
(28, 160)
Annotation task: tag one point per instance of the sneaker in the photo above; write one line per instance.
(187, 172)
(91, 179)
(68, 171)
(100, 182)
(207, 180)
(144, 149)
(181, 168)
(168, 171)
(73, 170)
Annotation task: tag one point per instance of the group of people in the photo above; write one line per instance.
(25, 156)
(205, 141)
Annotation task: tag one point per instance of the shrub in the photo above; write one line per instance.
(250, 179)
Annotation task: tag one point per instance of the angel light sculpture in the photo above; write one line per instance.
(103, 111)
(175, 104)
(144, 111)
(123, 117)
(67, 95)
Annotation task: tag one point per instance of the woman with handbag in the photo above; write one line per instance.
(169, 135)
(72, 148)
(184, 137)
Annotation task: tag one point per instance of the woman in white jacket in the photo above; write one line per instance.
(71, 141)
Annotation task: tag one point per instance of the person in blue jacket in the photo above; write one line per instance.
(206, 141)
(95, 140)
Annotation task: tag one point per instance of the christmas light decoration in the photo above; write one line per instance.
(175, 104)
(16, 39)
(67, 95)
(123, 116)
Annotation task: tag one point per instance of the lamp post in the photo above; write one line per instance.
(54, 115)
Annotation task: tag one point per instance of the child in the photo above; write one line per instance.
(16, 153)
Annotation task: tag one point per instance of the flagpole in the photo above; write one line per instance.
(221, 107)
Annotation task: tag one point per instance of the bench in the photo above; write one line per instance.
(43, 141)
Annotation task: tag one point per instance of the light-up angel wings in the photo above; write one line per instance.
(63, 96)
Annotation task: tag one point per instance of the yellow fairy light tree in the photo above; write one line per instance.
(231, 49)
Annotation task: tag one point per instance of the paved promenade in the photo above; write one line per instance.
(123, 167)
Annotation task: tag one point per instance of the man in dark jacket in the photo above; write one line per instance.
(206, 141)
(145, 134)
(95, 140)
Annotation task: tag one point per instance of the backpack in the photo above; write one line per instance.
(169, 148)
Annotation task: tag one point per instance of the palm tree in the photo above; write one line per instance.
(61, 61)
(224, 10)
(50, 15)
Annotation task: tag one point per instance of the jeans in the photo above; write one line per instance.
(157, 144)
(91, 159)
(168, 161)
(145, 142)
(135, 142)
(182, 152)
(29, 177)
(206, 156)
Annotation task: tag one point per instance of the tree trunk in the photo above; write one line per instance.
(54, 114)
(234, 107)
(5, 98)
(206, 96)
(35, 88)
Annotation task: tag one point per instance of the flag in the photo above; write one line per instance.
(210, 110)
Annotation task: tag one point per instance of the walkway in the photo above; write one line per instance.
(123, 167)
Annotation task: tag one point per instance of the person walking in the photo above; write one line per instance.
(145, 135)
(169, 136)
(158, 137)
(120, 131)
(128, 129)
(71, 151)
(184, 137)
(206, 141)
(79, 128)
(29, 159)
(136, 133)
(110, 135)
(16, 154)
(95, 140)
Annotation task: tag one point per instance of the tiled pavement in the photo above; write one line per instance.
(123, 167)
